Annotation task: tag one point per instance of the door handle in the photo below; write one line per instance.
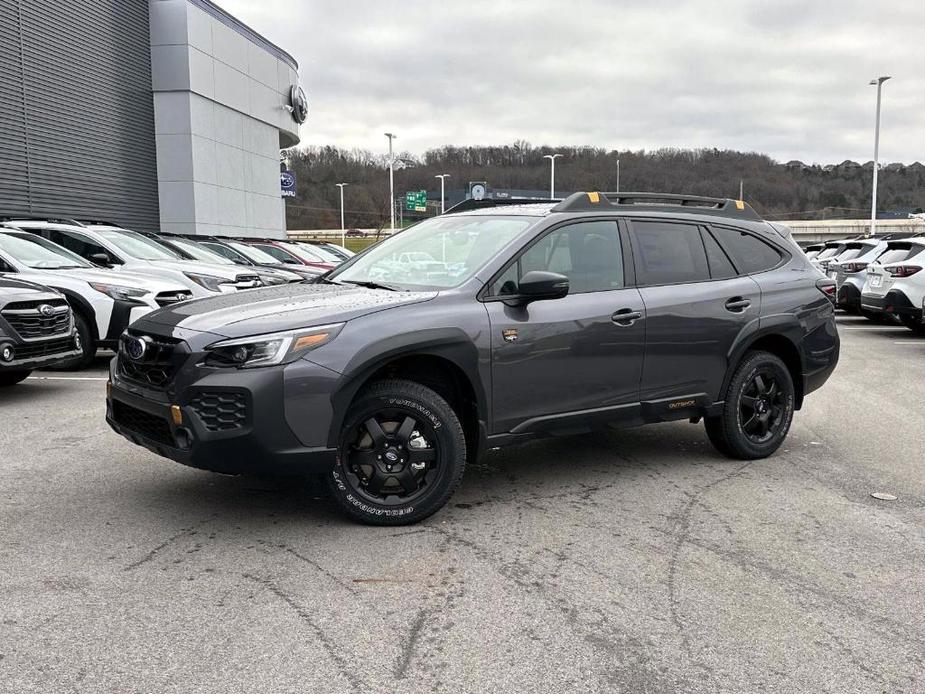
(737, 304)
(626, 316)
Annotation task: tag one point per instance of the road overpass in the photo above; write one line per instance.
(810, 230)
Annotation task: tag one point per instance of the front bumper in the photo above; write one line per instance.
(40, 354)
(894, 301)
(229, 421)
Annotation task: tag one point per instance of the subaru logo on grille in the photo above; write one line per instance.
(135, 347)
(46, 310)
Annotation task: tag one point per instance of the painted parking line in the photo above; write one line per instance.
(875, 328)
(909, 342)
(67, 378)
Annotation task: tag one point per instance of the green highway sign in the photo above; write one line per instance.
(416, 201)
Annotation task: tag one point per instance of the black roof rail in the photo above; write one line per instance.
(662, 202)
(473, 204)
(4, 217)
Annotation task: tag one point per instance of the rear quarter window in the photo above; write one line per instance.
(749, 253)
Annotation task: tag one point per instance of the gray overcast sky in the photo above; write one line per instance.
(785, 77)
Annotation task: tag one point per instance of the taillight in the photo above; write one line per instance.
(902, 270)
(852, 267)
(827, 287)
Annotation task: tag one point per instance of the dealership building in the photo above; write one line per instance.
(153, 114)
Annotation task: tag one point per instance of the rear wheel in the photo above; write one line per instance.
(401, 456)
(11, 378)
(758, 410)
(914, 324)
(87, 347)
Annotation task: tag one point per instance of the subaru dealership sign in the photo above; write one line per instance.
(287, 184)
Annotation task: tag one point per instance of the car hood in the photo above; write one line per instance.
(272, 309)
(225, 271)
(18, 290)
(122, 279)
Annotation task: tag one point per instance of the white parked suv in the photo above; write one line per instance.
(110, 246)
(896, 283)
(104, 302)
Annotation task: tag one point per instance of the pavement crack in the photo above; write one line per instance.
(186, 532)
(329, 647)
(407, 648)
(682, 535)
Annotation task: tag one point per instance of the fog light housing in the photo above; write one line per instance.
(7, 353)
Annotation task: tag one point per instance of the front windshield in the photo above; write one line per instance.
(197, 252)
(254, 254)
(306, 254)
(38, 253)
(441, 252)
(323, 253)
(137, 246)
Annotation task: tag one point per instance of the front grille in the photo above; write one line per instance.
(144, 423)
(46, 348)
(26, 319)
(220, 411)
(159, 364)
(168, 298)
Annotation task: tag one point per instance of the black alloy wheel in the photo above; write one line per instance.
(402, 453)
(761, 406)
(393, 457)
(758, 408)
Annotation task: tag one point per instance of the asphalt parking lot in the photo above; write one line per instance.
(634, 560)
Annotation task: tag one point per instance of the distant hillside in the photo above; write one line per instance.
(776, 190)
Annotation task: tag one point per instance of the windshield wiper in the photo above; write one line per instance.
(370, 285)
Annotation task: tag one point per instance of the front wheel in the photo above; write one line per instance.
(401, 455)
(758, 409)
(11, 378)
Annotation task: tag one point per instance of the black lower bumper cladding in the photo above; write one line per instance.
(188, 434)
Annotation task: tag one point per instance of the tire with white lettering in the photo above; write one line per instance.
(401, 454)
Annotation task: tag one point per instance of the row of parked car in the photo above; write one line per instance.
(69, 287)
(879, 277)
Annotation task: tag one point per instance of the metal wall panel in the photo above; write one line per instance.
(77, 111)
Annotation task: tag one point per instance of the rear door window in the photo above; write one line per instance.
(668, 253)
(750, 253)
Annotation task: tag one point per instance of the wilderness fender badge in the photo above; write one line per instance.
(509, 334)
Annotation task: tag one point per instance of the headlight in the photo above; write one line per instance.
(213, 284)
(273, 348)
(114, 291)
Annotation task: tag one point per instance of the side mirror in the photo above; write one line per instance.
(539, 285)
(101, 259)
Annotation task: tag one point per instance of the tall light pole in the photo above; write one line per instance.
(873, 197)
(618, 175)
(343, 232)
(552, 173)
(442, 178)
(391, 137)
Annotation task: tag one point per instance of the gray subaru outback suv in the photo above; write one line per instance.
(484, 327)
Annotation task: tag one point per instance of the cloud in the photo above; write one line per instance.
(787, 78)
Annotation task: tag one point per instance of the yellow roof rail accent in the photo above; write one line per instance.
(594, 197)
